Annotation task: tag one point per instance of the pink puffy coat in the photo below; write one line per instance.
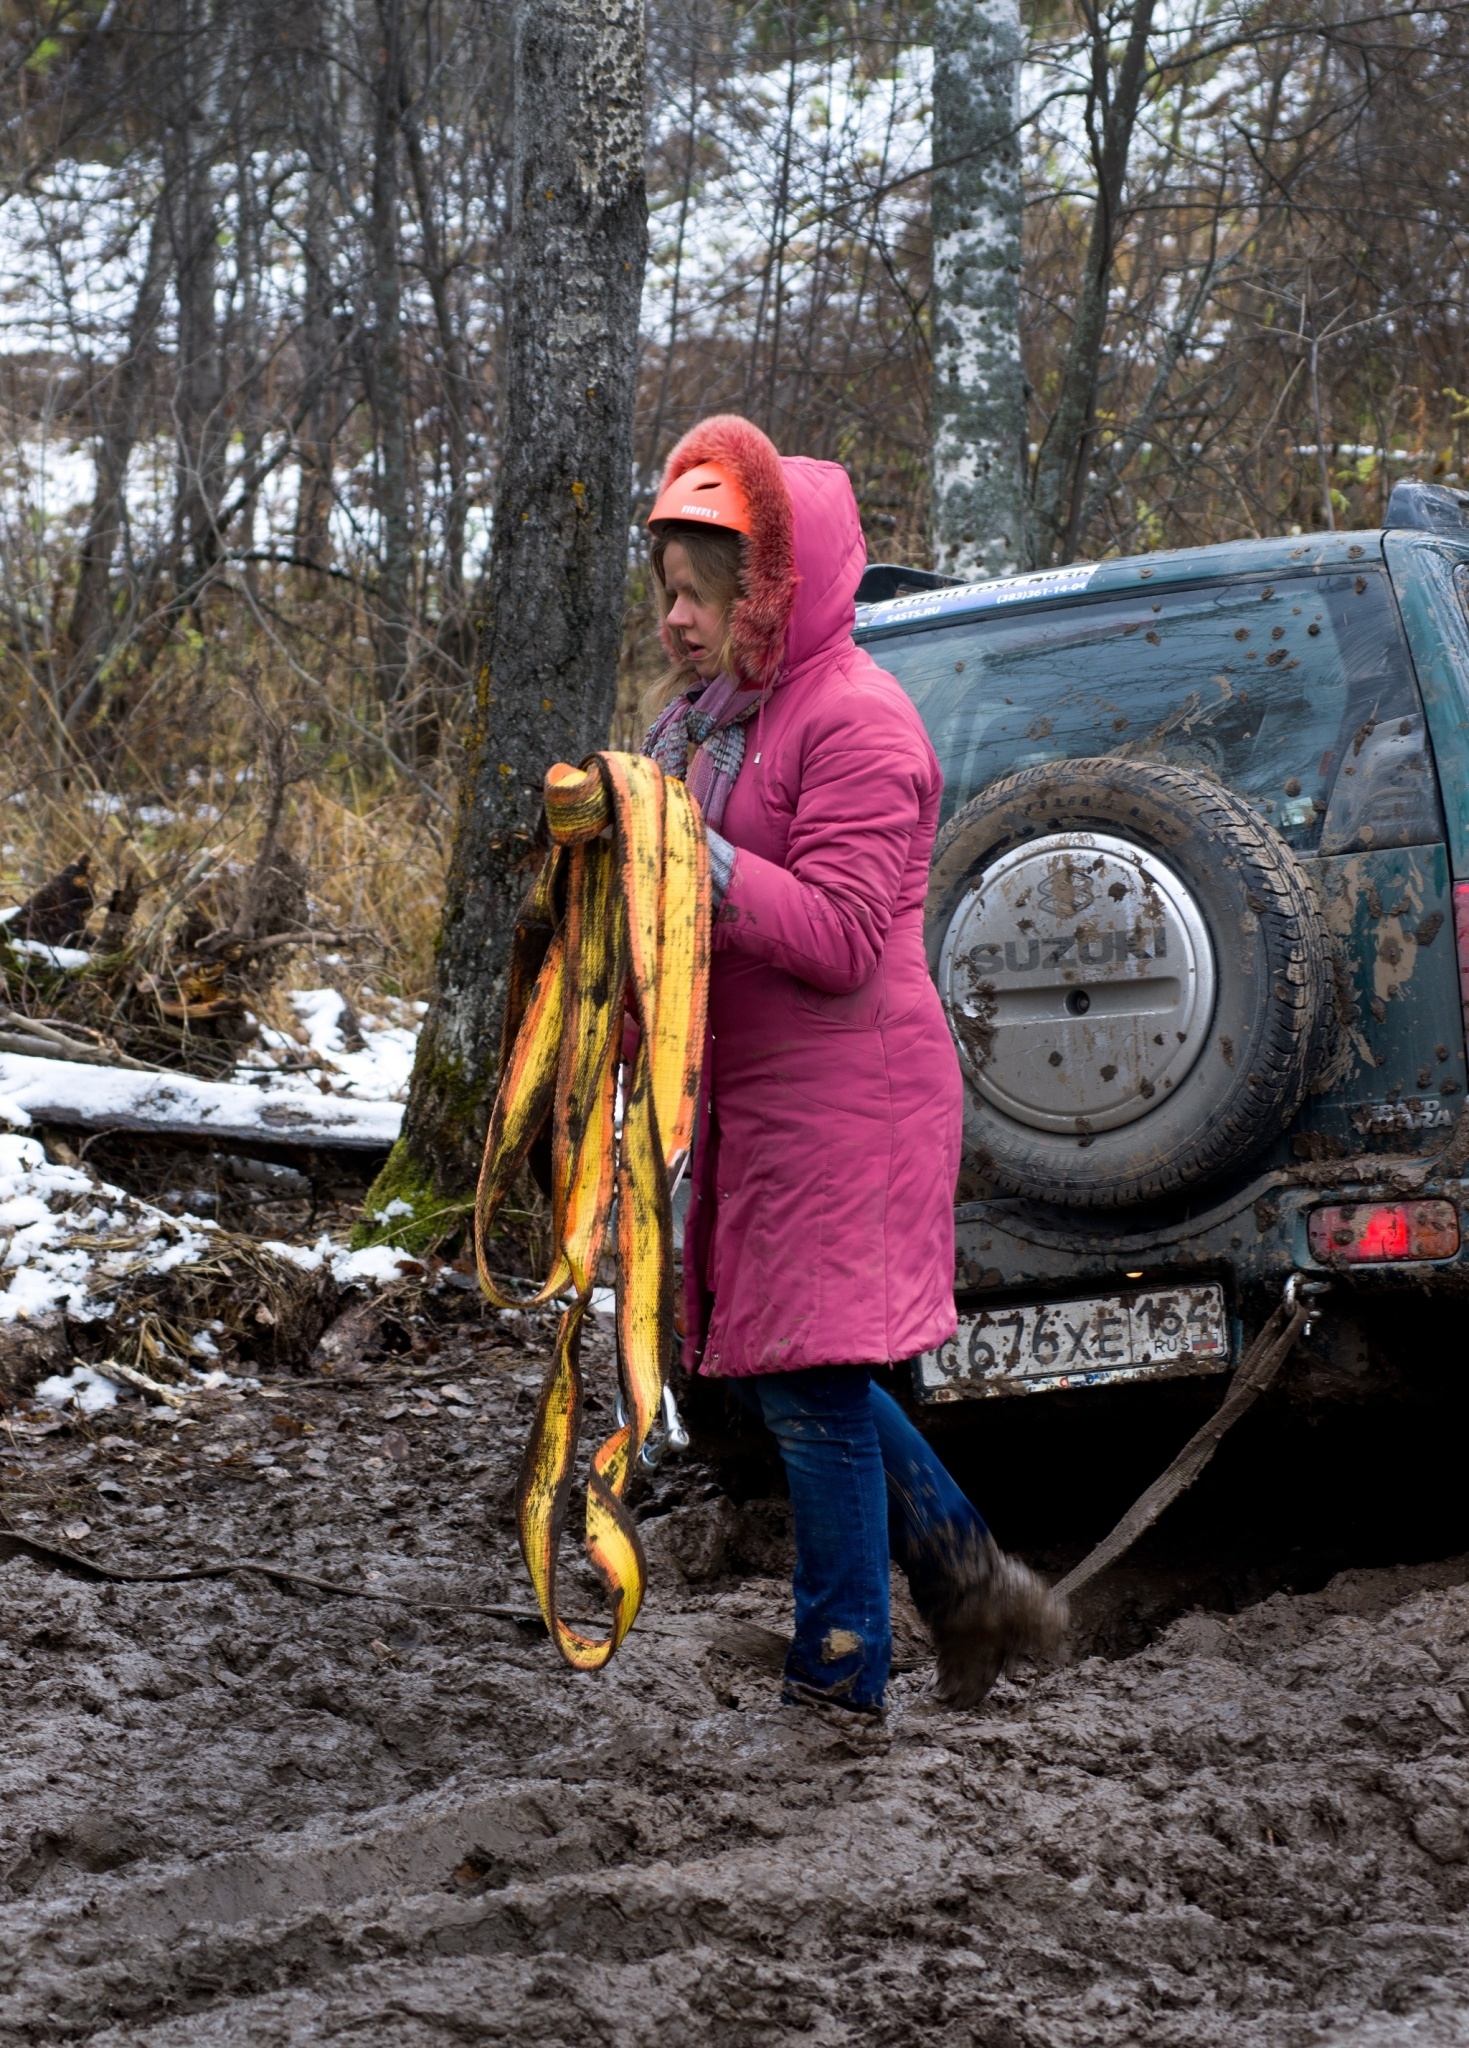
(821, 1229)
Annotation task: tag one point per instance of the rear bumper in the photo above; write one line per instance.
(1251, 1239)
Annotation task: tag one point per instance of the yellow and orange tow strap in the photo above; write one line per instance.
(618, 919)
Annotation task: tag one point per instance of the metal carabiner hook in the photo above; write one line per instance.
(673, 1425)
(670, 1436)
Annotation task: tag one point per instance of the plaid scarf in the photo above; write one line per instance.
(701, 739)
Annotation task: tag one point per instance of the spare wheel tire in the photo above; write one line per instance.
(1136, 976)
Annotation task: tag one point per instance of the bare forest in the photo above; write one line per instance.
(255, 275)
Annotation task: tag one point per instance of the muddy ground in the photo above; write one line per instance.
(231, 1812)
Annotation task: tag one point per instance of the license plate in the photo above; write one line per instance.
(1034, 1349)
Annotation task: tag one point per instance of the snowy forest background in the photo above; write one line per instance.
(253, 265)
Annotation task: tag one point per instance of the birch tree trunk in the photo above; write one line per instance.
(549, 645)
(979, 455)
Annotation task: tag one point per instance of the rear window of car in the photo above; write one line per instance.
(1265, 685)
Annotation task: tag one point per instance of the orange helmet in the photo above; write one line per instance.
(707, 495)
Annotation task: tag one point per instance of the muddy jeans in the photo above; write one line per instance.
(864, 1486)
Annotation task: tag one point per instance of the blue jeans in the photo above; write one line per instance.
(864, 1486)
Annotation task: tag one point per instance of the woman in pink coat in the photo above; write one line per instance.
(820, 1235)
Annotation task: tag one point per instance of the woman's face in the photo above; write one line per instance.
(698, 624)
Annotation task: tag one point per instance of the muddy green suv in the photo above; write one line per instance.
(1193, 920)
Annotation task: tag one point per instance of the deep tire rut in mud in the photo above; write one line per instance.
(234, 1813)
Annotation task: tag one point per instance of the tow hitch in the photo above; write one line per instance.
(1256, 1371)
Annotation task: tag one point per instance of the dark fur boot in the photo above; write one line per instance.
(993, 1612)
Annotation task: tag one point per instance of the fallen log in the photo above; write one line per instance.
(75, 1096)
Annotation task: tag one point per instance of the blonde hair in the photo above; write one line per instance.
(717, 562)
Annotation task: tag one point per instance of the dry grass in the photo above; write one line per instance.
(251, 725)
(185, 805)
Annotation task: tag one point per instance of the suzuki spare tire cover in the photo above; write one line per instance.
(1136, 976)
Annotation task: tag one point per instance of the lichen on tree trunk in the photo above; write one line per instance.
(979, 456)
(546, 670)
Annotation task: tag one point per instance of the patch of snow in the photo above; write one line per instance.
(41, 1206)
(379, 1262)
(68, 958)
(378, 1072)
(320, 1010)
(83, 1388)
(309, 1257)
(185, 1253)
(67, 1240)
(64, 1249)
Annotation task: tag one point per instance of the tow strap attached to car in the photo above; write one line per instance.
(618, 920)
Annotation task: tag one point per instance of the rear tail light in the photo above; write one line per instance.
(1461, 941)
(1361, 1233)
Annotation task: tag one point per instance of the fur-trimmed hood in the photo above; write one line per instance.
(804, 557)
